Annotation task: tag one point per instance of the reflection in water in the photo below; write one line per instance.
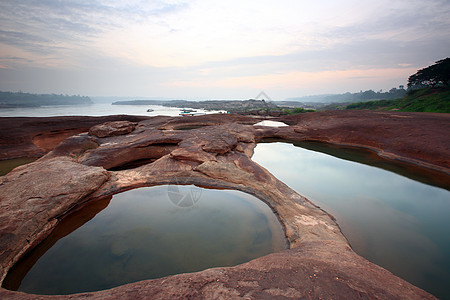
(395, 222)
(7, 165)
(145, 233)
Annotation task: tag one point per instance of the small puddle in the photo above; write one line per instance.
(269, 123)
(8, 165)
(189, 126)
(150, 233)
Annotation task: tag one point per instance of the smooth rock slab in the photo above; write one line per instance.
(112, 128)
(32, 197)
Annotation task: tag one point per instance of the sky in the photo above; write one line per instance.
(211, 49)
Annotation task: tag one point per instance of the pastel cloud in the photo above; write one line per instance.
(284, 45)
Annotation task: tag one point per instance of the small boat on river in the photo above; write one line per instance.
(187, 112)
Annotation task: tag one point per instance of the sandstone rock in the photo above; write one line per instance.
(112, 128)
(33, 137)
(208, 120)
(192, 155)
(320, 263)
(33, 196)
(417, 137)
(246, 148)
(224, 170)
(220, 143)
(74, 146)
(120, 156)
(119, 151)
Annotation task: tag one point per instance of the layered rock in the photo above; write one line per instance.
(34, 137)
(417, 138)
(112, 128)
(34, 196)
(215, 152)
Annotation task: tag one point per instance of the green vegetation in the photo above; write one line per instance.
(19, 99)
(420, 100)
(437, 75)
(428, 91)
(348, 97)
(297, 110)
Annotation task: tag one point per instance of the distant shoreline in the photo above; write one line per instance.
(19, 105)
(22, 100)
(234, 106)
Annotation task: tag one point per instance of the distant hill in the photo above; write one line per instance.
(419, 100)
(140, 102)
(228, 105)
(368, 95)
(19, 99)
(112, 99)
(235, 106)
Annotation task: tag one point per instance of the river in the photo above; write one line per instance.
(97, 109)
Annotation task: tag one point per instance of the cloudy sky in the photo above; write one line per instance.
(216, 49)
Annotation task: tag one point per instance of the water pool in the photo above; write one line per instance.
(150, 233)
(398, 223)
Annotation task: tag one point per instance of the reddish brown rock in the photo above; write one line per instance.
(33, 137)
(208, 120)
(224, 171)
(112, 128)
(220, 142)
(419, 138)
(188, 154)
(319, 263)
(74, 146)
(143, 146)
(47, 141)
(32, 197)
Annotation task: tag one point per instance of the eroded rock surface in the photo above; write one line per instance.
(34, 137)
(213, 151)
(112, 128)
(418, 138)
(33, 197)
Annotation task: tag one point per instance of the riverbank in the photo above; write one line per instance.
(416, 138)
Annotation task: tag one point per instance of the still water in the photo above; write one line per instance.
(7, 165)
(155, 232)
(398, 223)
(97, 109)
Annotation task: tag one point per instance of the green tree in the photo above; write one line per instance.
(367, 95)
(432, 76)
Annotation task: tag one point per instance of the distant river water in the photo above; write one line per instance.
(97, 109)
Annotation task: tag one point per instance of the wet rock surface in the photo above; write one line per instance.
(216, 152)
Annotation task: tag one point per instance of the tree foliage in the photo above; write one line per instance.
(19, 99)
(297, 110)
(419, 100)
(432, 76)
